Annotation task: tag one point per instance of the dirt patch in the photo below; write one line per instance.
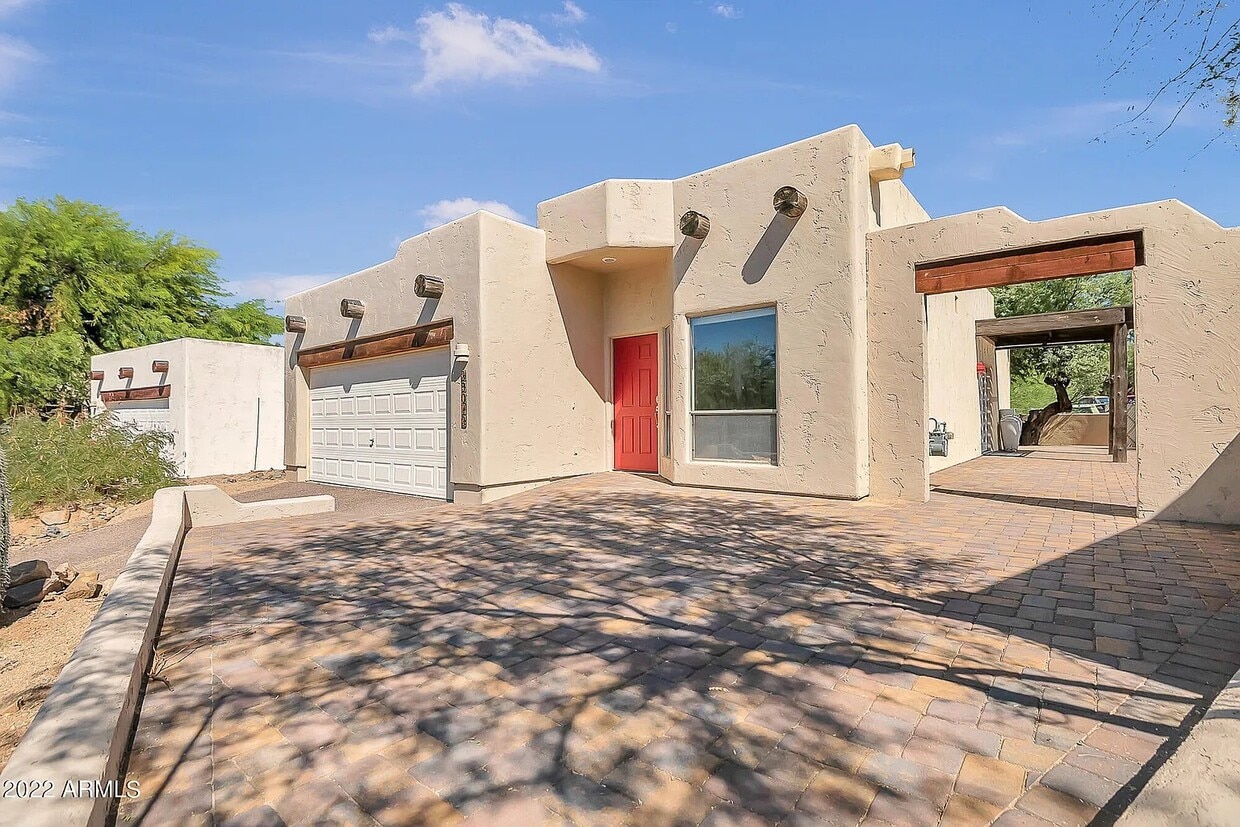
(30, 536)
(34, 646)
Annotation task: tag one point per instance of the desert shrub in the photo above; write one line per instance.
(59, 460)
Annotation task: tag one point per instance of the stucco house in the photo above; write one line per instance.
(223, 402)
(710, 329)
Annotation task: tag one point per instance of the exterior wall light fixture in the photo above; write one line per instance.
(790, 202)
(694, 225)
(125, 373)
(296, 324)
(159, 366)
(352, 308)
(428, 287)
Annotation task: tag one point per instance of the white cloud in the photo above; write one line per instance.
(460, 45)
(275, 287)
(726, 10)
(15, 57)
(441, 212)
(21, 153)
(11, 7)
(571, 16)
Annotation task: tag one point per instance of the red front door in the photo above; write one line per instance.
(635, 367)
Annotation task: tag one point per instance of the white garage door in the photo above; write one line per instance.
(382, 424)
(143, 415)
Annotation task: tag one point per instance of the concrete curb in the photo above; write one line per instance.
(1200, 783)
(65, 771)
(209, 506)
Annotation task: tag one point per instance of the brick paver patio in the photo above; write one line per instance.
(618, 651)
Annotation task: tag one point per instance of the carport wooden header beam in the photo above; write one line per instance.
(1085, 257)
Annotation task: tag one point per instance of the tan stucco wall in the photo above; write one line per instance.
(226, 404)
(813, 271)
(542, 416)
(1185, 297)
(951, 344)
(534, 413)
(451, 252)
(614, 215)
(951, 371)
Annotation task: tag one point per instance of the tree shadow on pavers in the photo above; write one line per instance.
(1145, 620)
(607, 651)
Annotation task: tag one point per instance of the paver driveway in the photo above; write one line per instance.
(618, 651)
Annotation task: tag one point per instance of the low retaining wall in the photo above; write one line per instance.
(1077, 429)
(65, 771)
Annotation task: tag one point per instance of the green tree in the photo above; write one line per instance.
(76, 279)
(1087, 366)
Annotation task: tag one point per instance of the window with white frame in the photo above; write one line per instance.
(734, 394)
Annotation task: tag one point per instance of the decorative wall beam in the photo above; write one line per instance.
(437, 334)
(428, 287)
(159, 366)
(694, 225)
(790, 202)
(295, 324)
(352, 308)
(125, 373)
(96, 376)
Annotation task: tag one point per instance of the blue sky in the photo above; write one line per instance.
(303, 139)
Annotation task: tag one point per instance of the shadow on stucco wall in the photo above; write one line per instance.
(683, 258)
(767, 248)
(1215, 491)
(581, 645)
(580, 299)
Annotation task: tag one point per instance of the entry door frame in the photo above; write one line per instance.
(653, 335)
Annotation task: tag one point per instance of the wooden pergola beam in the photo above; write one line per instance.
(1084, 257)
(1103, 317)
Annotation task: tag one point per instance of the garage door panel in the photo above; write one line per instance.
(382, 423)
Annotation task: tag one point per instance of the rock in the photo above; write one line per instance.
(66, 572)
(32, 592)
(106, 588)
(59, 517)
(22, 573)
(84, 586)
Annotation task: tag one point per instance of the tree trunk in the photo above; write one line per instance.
(5, 502)
(1031, 432)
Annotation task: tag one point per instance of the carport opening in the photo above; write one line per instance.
(1069, 380)
(1063, 311)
